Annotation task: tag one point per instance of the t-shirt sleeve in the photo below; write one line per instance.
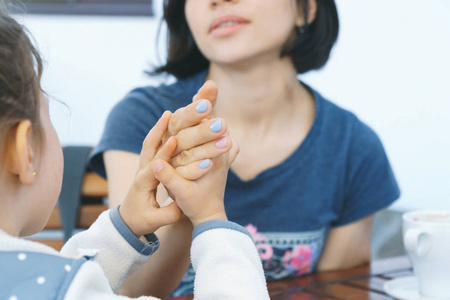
(127, 126)
(370, 181)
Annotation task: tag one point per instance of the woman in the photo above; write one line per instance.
(309, 176)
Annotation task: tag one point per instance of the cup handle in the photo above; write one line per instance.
(417, 242)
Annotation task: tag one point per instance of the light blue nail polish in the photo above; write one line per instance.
(204, 164)
(216, 126)
(201, 107)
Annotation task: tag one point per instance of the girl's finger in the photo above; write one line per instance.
(166, 215)
(169, 177)
(153, 140)
(145, 179)
(167, 150)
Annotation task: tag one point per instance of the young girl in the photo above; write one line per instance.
(93, 264)
(309, 176)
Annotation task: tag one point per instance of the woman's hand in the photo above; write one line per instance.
(200, 200)
(199, 135)
(187, 117)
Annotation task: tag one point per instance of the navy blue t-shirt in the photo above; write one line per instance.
(338, 175)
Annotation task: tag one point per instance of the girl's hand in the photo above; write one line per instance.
(140, 210)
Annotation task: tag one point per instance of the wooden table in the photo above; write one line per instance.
(359, 283)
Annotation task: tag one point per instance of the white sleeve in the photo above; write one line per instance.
(90, 283)
(226, 263)
(119, 252)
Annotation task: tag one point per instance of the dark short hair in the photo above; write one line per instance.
(309, 51)
(20, 73)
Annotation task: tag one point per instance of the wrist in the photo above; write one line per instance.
(128, 220)
(216, 216)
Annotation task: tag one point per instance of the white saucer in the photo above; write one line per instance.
(405, 288)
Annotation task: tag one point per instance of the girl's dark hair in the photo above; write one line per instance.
(20, 73)
(310, 50)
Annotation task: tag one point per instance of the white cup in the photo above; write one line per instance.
(426, 235)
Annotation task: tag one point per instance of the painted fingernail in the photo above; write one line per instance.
(204, 164)
(201, 107)
(158, 166)
(222, 143)
(216, 126)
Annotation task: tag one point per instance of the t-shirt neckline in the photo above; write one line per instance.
(301, 153)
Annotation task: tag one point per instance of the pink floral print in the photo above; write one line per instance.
(286, 254)
(299, 260)
(264, 249)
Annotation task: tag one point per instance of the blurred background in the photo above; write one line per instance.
(391, 66)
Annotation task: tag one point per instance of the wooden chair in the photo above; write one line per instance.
(81, 202)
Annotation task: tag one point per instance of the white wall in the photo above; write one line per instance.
(91, 63)
(390, 67)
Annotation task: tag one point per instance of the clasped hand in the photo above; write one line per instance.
(189, 153)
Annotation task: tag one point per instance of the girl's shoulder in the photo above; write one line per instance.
(35, 275)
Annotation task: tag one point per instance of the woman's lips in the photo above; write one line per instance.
(227, 25)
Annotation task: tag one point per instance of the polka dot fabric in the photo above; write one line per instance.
(30, 275)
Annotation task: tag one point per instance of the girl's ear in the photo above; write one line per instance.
(312, 11)
(20, 160)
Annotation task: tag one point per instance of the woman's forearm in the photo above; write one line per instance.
(347, 246)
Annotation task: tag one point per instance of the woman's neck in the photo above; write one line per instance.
(267, 110)
(267, 93)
